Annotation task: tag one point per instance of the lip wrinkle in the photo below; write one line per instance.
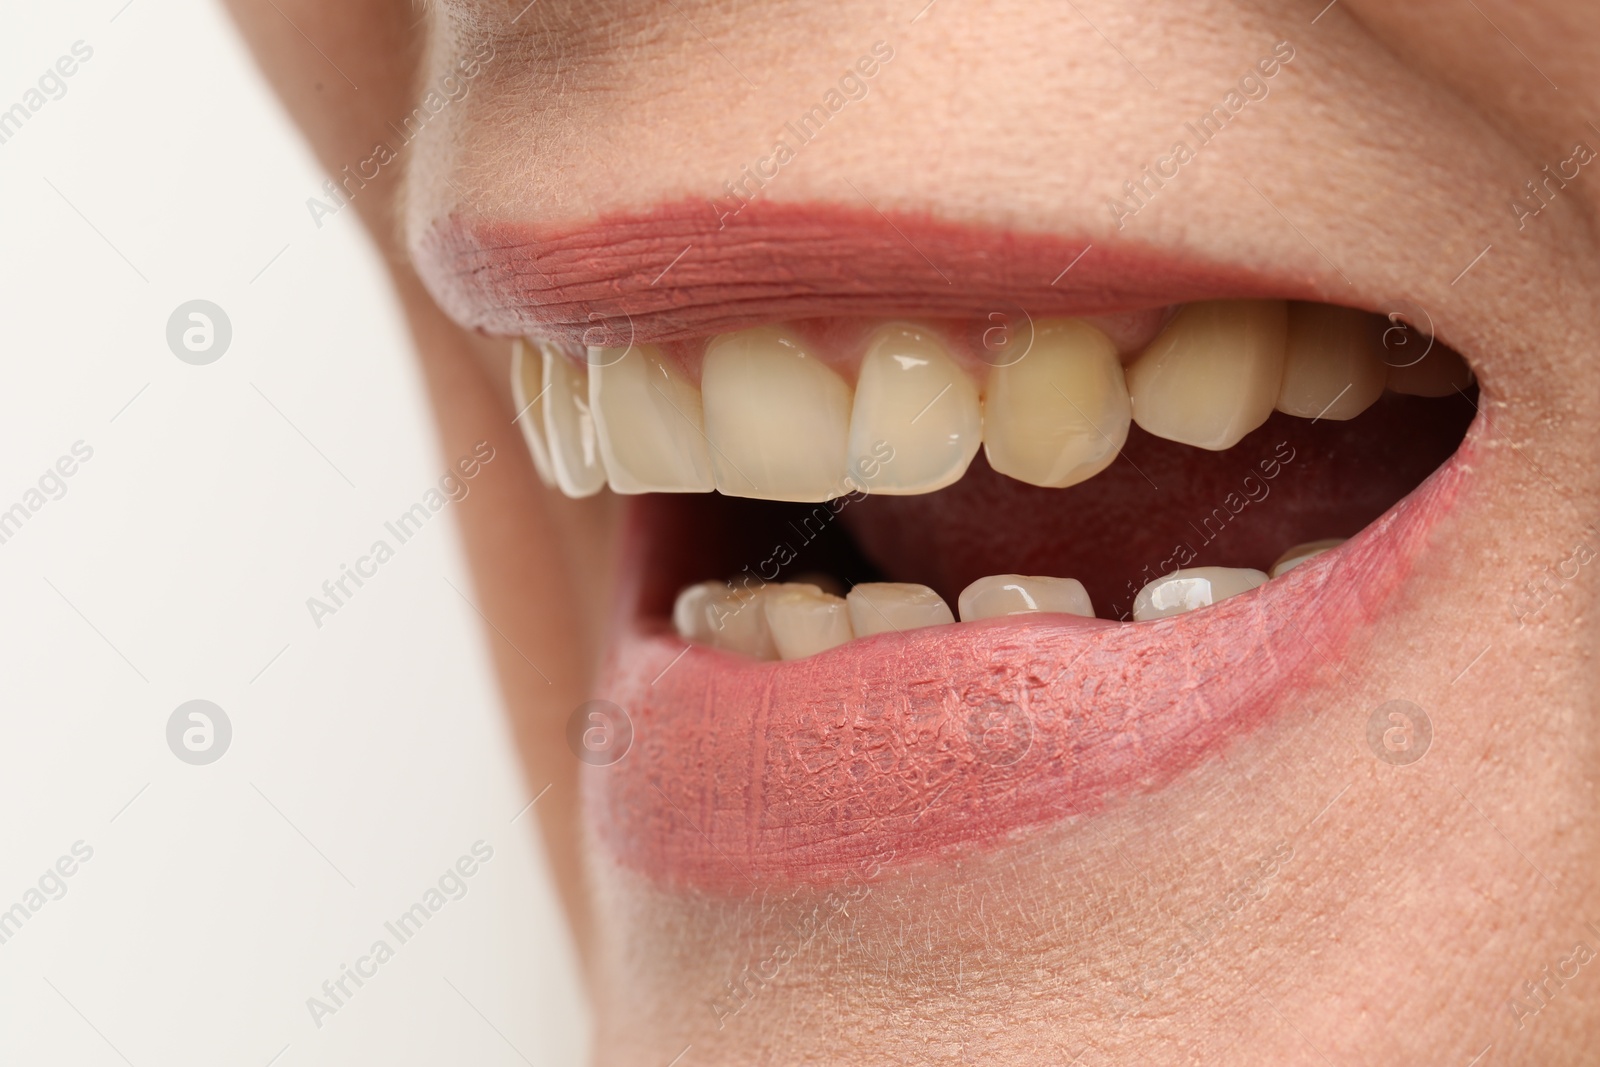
(813, 770)
(606, 280)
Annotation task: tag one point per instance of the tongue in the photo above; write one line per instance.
(1163, 505)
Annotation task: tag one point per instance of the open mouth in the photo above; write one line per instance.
(902, 584)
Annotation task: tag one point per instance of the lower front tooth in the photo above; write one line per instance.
(1332, 365)
(1199, 587)
(647, 414)
(1017, 594)
(736, 620)
(804, 620)
(879, 607)
(913, 400)
(1300, 553)
(1060, 414)
(569, 427)
(527, 393)
(689, 616)
(1213, 374)
(777, 416)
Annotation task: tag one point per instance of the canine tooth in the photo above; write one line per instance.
(1332, 364)
(689, 611)
(1197, 587)
(804, 620)
(569, 427)
(1213, 374)
(1439, 373)
(1059, 415)
(913, 397)
(737, 621)
(878, 607)
(527, 393)
(1300, 553)
(1018, 594)
(777, 416)
(647, 412)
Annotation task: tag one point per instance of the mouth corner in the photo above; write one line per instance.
(1234, 487)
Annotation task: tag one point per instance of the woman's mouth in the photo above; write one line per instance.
(900, 584)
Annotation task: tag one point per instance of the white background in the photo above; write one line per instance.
(367, 755)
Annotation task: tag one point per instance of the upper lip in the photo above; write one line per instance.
(675, 273)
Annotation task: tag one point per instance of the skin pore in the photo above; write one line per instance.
(1292, 900)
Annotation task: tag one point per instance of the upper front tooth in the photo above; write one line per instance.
(527, 393)
(777, 416)
(569, 427)
(1016, 594)
(804, 620)
(1300, 553)
(1197, 587)
(879, 607)
(912, 397)
(1439, 373)
(648, 416)
(1332, 365)
(1213, 374)
(1060, 414)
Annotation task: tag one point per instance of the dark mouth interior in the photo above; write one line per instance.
(1159, 506)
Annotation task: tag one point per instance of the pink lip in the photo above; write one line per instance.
(747, 775)
(674, 274)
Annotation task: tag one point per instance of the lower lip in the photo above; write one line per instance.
(902, 747)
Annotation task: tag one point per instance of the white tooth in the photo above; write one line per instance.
(879, 607)
(1332, 365)
(1300, 553)
(737, 621)
(527, 393)
(823, 581)
(1059, 415)
(804, 620)
(1213, 374)
(648, 415)
(1197, 587)
(914, 404)
(569, 427)
(777, 416)
(689, 611)
(1018, 594)
(1439, 373)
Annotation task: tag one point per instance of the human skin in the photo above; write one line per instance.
(1290, 899)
